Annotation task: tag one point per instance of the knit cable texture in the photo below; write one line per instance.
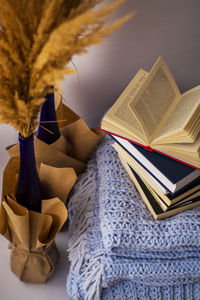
(116, 249)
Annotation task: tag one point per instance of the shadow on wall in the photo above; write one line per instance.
(159, 27)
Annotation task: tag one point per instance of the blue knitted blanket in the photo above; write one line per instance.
(116, 249)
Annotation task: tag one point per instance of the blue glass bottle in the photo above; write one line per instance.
(48, 113)
(28, 186)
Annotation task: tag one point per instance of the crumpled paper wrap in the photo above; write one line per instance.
(60, 163)
(31, 236)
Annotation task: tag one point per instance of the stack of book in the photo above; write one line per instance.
(156, 133)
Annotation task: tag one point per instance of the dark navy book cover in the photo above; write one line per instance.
(172, 169)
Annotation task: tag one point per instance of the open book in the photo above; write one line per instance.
(151, 111)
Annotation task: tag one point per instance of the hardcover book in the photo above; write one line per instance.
(170, 173)
(157, 211)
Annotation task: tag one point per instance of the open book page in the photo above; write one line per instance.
(188, 152)
(120, 115)
(116, 130)
(156, 99)
(187, 109)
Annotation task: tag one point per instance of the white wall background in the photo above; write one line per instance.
(167, 28)
(170, 28)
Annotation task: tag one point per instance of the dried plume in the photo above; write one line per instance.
(37, 41)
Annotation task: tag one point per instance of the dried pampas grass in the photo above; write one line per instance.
(37, 41)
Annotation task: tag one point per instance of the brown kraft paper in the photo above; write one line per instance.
(64, 159)
(55, 182)
(31, 236)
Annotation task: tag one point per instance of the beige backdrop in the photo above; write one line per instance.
(169, 28)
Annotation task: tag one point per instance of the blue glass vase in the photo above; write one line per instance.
(48, 114)
(28, 186)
